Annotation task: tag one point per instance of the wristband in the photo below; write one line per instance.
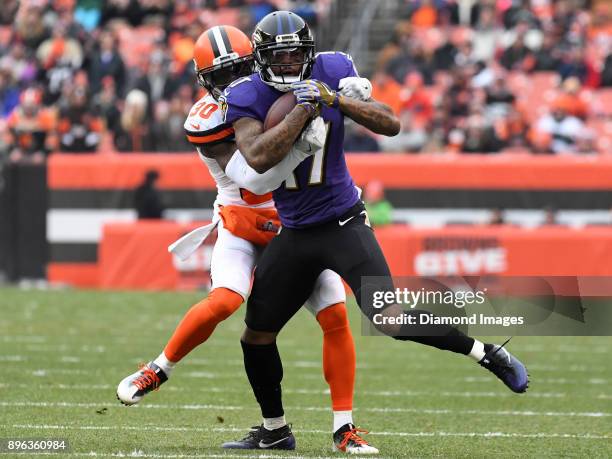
(336, 102)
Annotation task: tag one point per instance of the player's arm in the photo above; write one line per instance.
(238, 170)
(263, 150)
(242, 174)
(375, 116)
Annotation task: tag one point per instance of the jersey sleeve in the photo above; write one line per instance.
(239, 101)
(334, 66)
(222, 133)
(205, 125)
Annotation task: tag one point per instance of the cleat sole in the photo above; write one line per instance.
(123, 403)
(335, 449)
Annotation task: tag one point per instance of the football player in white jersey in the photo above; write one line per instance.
(246, 220)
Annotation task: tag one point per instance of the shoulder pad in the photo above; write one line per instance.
(241, 93)
(205, 124)
(335, 64)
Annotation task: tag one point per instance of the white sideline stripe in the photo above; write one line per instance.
(213, 375)
(563, 348)
(389, 393)
(53, 348)
(313, 371)
(21, 358)
(308, 364)
(73, 387)
(63, 371)
(315, 365)
(570, 368)
(140, 453)
(12, 358)
(315, 375)
(309, 408)
(567, 349)
(37, 339)
(43, 372)
(315, 431)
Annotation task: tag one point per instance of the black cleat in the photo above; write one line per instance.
(506, 367)
(262, 438)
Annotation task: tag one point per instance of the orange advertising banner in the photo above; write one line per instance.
(502, 171)
(498, 250)
(135, 256)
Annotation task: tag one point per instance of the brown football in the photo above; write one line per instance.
(279, 109)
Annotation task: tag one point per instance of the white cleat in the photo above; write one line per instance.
(347, 440)
(134, 387)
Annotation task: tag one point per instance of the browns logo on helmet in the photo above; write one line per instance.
(221, 55)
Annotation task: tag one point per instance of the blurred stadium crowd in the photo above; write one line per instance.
(495, 75)
(114, 75)
(464, 76)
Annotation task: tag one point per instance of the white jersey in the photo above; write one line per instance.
(205, 126)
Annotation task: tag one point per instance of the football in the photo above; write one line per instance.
(279, 109)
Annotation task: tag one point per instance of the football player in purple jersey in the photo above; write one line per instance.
(325, 225)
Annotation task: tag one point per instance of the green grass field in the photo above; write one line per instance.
(62, 354)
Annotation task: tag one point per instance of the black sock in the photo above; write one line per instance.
(444, 337)
(264, 369)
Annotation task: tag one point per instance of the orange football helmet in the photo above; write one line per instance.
(221, 55)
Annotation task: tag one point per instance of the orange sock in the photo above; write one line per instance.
(338, 356)
(200, 321)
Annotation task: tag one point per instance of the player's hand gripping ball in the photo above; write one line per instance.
(315, 91)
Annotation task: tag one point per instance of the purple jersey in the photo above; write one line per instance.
(321, 188)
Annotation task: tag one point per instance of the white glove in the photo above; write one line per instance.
(355, 87)
(313, 137)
